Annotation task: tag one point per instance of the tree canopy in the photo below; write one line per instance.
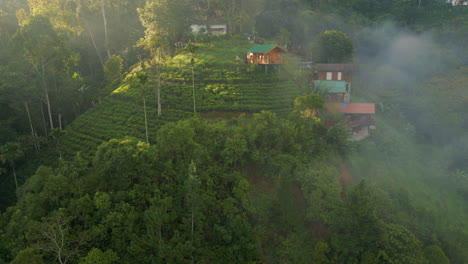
(333, 47)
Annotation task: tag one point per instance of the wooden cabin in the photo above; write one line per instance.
(335, 75)
(358, 117)
(266, 54)
(337, 91)
(335, 72)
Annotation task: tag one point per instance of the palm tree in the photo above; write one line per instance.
(159, 49)
(9, 153)
(142, 78)
(191, 48)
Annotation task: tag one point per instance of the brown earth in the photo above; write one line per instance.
(345, 179)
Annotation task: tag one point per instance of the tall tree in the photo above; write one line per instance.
(63, 15)
(55, 236)
(142, 79)
(166, 19)
(10, 153)
(194, 200)
(333, 47)
(356, 230)
(47, 56)
(191, 48)
(159, 51)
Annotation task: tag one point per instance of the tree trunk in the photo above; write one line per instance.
(32, 128)
(60, 119)
(43, 120)
(46, 94)
(240, 17)
(95, 47)
(146, 122)
(75, 111)
(105, 27)
(191, 242)
(49, 108)
(14, 175)
(159, 94)
(193, 88)
(192, 224)
(60, 247)
(46, 90)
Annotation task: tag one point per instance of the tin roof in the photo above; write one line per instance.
(332, 86)
(358, 108)
(264, 48)
(350, 108)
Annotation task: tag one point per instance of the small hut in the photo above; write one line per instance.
(266, 54)
(358, 117)
(210, 29)
(335, 72)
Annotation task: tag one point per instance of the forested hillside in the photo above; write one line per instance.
(127, 138)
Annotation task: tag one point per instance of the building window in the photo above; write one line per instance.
(329, 76)
(339, 76)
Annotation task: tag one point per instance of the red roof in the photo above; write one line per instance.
(358, 108)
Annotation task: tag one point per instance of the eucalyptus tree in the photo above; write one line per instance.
(10, 153)
(159, 48)
(63, 15)
(57, 135)
(167, 19)
(194, 199)
(238, 14)
(141, 83)
(119, 25)
(191, 48)
(18, 95)
(46, 55)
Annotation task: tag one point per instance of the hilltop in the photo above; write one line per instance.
(126, 137)
(224, 86)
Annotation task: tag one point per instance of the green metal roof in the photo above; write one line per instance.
(332, 86)
(262, 48)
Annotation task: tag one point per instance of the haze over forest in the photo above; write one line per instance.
(125, 137)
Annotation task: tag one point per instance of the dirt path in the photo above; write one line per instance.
(345, 179)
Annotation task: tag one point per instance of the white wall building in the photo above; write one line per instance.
(213, 29)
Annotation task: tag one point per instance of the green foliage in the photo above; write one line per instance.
(27, 255)
(308, 101)
(248, 190)
(113, 69)
(401, 246)
(296, 248)
(162, 21)
(333, 47)
(10, 152)
(321, 249)
(321, 192)
(120, 162)
(96, 256)
(356, 230)
(434, 254)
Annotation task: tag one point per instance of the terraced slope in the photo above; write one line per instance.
(221, 84)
